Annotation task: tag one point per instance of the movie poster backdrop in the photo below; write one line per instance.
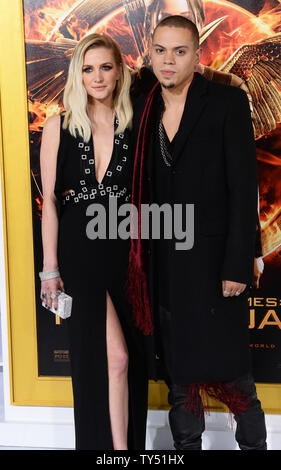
(241, 37)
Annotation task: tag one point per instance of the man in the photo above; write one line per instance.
(156, 11)
(195, 145)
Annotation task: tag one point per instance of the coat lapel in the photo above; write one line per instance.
(194, 105)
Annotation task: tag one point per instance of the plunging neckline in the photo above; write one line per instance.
(110, 160)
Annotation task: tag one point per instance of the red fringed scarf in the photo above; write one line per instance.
(137, 276)
(137, 290)
(196, 397)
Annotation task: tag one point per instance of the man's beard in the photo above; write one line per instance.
(171, 85)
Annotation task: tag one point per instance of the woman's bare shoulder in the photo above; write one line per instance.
(52, 122)
(51, 130)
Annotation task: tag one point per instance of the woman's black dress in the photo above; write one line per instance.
(90, 267)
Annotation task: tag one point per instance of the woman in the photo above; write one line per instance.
(85, 158)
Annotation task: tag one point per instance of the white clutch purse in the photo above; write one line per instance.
(64, 306)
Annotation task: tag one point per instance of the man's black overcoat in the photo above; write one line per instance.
(214, 167)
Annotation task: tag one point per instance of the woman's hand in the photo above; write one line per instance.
(49, 292)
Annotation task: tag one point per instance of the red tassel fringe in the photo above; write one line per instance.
(225, 392)
(137, 293)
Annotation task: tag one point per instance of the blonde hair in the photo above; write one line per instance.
(75, 99)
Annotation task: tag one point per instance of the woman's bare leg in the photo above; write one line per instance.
(117, 356)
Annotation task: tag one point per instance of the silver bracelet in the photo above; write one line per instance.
(46, 275)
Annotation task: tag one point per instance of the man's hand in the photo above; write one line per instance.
(258, 270)
(230, 288)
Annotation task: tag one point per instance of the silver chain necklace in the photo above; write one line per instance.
(163, 148)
